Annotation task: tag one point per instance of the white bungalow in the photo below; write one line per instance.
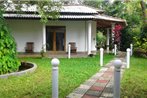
(77, 23)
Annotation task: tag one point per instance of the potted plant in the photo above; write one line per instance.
(42, 52)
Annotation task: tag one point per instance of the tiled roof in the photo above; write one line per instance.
(79, 9)
(66, 9)
(95, 17)
(38, 16)
(109, 18)
(67, 12)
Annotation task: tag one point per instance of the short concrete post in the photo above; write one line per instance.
(115, 48)
(101, 56)
(131, 47)
(55, 62)
(128, 57)
(69, 50)
(116, 89)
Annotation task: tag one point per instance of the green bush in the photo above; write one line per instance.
(100, 39)
(140, 47)
(8, 59)
(138, 52)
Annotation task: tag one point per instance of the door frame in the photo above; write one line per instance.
(55, 29)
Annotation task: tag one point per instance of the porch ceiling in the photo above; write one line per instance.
(103, 24)
(104, 21)
(107, 24)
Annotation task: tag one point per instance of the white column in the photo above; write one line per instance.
(44, 38)
(108, 40)
(112, 27)
(89, 36)
(101, 56)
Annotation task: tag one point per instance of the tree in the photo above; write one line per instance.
(8, 59)
(45, 8)
(8, 55)
(129, 10)
(144, 11)
(144, 27)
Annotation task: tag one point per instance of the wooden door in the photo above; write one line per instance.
(55, 38)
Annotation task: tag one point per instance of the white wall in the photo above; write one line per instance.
(93, 39)
(26, 31)
(32, 31)
(75, 32)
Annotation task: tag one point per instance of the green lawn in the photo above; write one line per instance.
(134, 82)
(72, 72)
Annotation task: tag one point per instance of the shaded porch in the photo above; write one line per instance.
(54, 55)
(106, 24)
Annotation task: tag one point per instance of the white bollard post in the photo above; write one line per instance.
(116, 89)
(115, 48)
(69, 50)
(101, 56)
(55, 62)
(128, 58)
(131, 47)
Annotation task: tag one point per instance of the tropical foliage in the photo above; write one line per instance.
(8, 59)
(100, 39)
(140, 47)
(117, 33)
(133, 11)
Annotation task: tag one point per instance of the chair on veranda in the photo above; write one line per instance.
(73, 47)
(29, 47)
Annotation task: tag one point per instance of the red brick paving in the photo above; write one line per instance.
(102, 81)
(97, 88)
(89, 96)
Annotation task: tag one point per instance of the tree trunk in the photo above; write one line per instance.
(144, 11)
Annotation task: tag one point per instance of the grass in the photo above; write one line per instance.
(72, 72)
(134, 82)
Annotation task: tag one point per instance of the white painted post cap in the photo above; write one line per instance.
(101, 49)
(117, 63)
(55, 62)
(128, 49)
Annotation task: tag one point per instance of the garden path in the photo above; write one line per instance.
(99, 85)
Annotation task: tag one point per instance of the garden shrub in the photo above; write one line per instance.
(140, 52)
(140, 49)
(8, 60)
(100, 39)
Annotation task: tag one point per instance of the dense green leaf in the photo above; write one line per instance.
(8, 60)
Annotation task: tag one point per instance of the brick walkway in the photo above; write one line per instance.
(99, 85)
